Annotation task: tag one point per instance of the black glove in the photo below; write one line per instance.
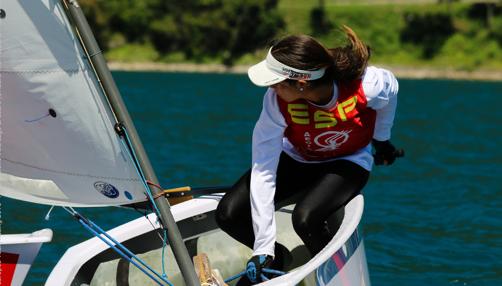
(255, 265)
(385, 152)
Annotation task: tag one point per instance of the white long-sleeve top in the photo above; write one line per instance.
(380, 87)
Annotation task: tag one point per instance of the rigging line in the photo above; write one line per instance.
(163, 239)
(144, 214)
(48, 215)
(229, 279)
(163, 251)
(120, 252)
(132, 154)
(273, 271)
(96, 53)
(118, 247)
(127, 251)
(263, 277)
(37, 119)
(86, 56)
(153, 184)
(51, 112)
(134, 158)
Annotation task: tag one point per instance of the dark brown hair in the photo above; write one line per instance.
(343, 64)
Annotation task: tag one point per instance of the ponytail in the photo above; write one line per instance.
(350, 61)
(343, 64)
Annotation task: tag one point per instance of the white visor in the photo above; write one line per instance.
(271, 71)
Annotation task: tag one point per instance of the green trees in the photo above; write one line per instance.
(224, 29)
(455, 35)
(319, 21)
(429, 31)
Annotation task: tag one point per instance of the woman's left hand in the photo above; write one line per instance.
(385, 152)
(255, 265)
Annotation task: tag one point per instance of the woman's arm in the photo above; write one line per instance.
(381, 87)
(267, 147)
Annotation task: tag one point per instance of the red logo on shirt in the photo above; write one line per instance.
(331, 140)
(318, 133)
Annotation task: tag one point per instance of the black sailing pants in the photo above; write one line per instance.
(320, 191)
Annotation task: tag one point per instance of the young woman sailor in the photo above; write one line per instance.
(311, 144)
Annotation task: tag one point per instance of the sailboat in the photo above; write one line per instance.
(17, 253)
(68, 141)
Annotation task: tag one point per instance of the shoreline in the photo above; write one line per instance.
(399, 71)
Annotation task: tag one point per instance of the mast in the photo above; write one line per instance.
(118, 107)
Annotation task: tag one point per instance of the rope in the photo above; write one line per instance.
(118, 247)
(153, 184)
(96, 53)
(235, 276)
(163, 251)
(48, 215)
(273, 271)
(263, 277)
(132, 154)
(37, 119)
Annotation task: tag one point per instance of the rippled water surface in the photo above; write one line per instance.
(433, 218)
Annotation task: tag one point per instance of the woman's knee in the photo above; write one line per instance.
(235, 205)
(302, 222)
(225, 214)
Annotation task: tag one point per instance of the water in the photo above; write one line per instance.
(434, 217)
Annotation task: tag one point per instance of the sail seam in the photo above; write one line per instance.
(41, 71)
(70, 173)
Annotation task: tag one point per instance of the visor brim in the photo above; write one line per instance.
(261, 75)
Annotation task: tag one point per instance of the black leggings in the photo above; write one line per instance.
(320, 191)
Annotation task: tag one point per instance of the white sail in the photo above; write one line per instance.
(58, 145)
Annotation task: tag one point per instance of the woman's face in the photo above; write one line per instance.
(287, 91)
(291, 91)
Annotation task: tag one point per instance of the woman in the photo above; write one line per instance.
(311, 145)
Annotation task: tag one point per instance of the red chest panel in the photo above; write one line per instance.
(319, 133)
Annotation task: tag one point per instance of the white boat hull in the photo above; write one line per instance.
(348, 266)
(17, 253)
(341, 262)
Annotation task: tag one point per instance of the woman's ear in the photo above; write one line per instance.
(301, 84)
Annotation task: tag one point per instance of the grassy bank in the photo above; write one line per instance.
(424, 35)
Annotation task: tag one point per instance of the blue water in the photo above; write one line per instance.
(432, 218)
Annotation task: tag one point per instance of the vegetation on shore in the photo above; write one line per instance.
(454, 35)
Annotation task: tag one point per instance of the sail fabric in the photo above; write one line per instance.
(58, 145)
